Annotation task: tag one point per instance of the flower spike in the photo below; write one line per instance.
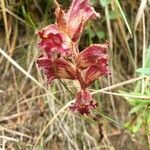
(61, 58)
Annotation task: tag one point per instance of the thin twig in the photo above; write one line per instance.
(21, 69)
(67, 88)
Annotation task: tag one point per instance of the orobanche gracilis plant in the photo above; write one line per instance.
(61, 59)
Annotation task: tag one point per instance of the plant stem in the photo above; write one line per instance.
(67, 88)
(124, 18)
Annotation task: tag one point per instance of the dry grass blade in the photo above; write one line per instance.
(127, 95)
(120, 84)
(5, 23)
(140, 13)
(14, 132)
(21, 69)
(1, 91)
(123, 15)
(8, 138)
(8, 118)
(12, 46)
(33, 98)
(50, 122)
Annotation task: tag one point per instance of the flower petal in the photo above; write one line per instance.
(77, 16)
(44, 61)
(53, 40)
(64, 69)
(84, 103)
(46, 65)
(91, 54)
(61, 20)
(94, 72)
(58, 68)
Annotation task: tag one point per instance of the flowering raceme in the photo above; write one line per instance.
(60, 58)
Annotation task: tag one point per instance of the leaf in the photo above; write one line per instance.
(148, 119)
(101, 35)
(145, 70)
(112, 14)
(146, 116)
(136, 101)
(92, 34)
(138, 125)
(104, 3)
(136, 108)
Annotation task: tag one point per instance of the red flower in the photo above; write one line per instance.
(93, 62)
(92, 73)
(84, 102)
(92, 54)
(77, 16)
(73, 22)
(54, 40)
(58, 37)
(58, 68)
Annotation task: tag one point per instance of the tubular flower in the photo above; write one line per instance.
(92, 73)
(84, 102)
(73, 22)
(61, 59)
(58, 68)
(64, 69)
(77, 16)
(58, 37)
(92, 54)
(93, 61)
(54, 40)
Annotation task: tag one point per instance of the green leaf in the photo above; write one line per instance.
(90, 32)
(138, 125)
(127, 125)
(148, 119)
(146, 116)
(101, 35)
(104, 3)
(135, 101)
(113, 14)
(145, 70)
(137, 108)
